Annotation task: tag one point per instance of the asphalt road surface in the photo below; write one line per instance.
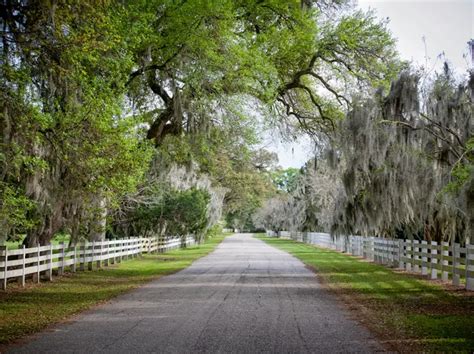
(245, 297)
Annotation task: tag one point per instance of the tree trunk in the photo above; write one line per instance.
(99, 221)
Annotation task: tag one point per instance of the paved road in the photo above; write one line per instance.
(245, 297)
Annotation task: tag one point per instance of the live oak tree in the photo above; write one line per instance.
(66, 149)
(285, 55)
(279, 55)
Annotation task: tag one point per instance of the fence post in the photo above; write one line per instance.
(469, 266)
(38, 255)
(107, 253)
(50, 270)
(380, 250)
(117, 251)
(99, 258)
(401, 256)
(416, 266)
(444, 261)
(383, 253)
(434, 260)
(63, 252)
(367, 248)
(409, 255)
(387, 252)
(112, 258)
(23, 273)
(424, 258)
(90, 264)
(4, 250)
(456, 276)
(371, 248)
(376, 250)
(125, 246)
(82, 250)
(74, 259)
(393, 247)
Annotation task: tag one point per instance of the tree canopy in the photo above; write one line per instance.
(108, 105)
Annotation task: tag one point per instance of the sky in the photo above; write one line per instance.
(424, 29)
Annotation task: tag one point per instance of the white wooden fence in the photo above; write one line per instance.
(42, 260)
(444, 261)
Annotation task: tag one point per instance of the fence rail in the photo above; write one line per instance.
(42, 260)
(448, 262)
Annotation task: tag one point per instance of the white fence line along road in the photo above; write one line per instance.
(436, 261)
(35, 261)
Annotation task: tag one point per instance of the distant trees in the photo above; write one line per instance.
(167, 211)
(308, 205)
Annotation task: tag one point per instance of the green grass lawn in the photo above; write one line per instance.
(410, 313)
(29, 310)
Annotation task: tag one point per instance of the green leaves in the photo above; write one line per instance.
(67, 142)
(286, 180)
(82, 81)
(178, 212)
(14, 208)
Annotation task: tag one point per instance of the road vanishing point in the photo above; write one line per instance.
(245, 297)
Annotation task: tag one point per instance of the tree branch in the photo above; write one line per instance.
(449, 130)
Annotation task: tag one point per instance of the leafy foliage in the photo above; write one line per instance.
(65, 144)
(176, 213)
(285, 180)
(84, 84)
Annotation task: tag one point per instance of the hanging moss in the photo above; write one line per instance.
(400, 154)
(401, 166)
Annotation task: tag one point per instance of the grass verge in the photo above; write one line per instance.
(29, 310)
(409, 313)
